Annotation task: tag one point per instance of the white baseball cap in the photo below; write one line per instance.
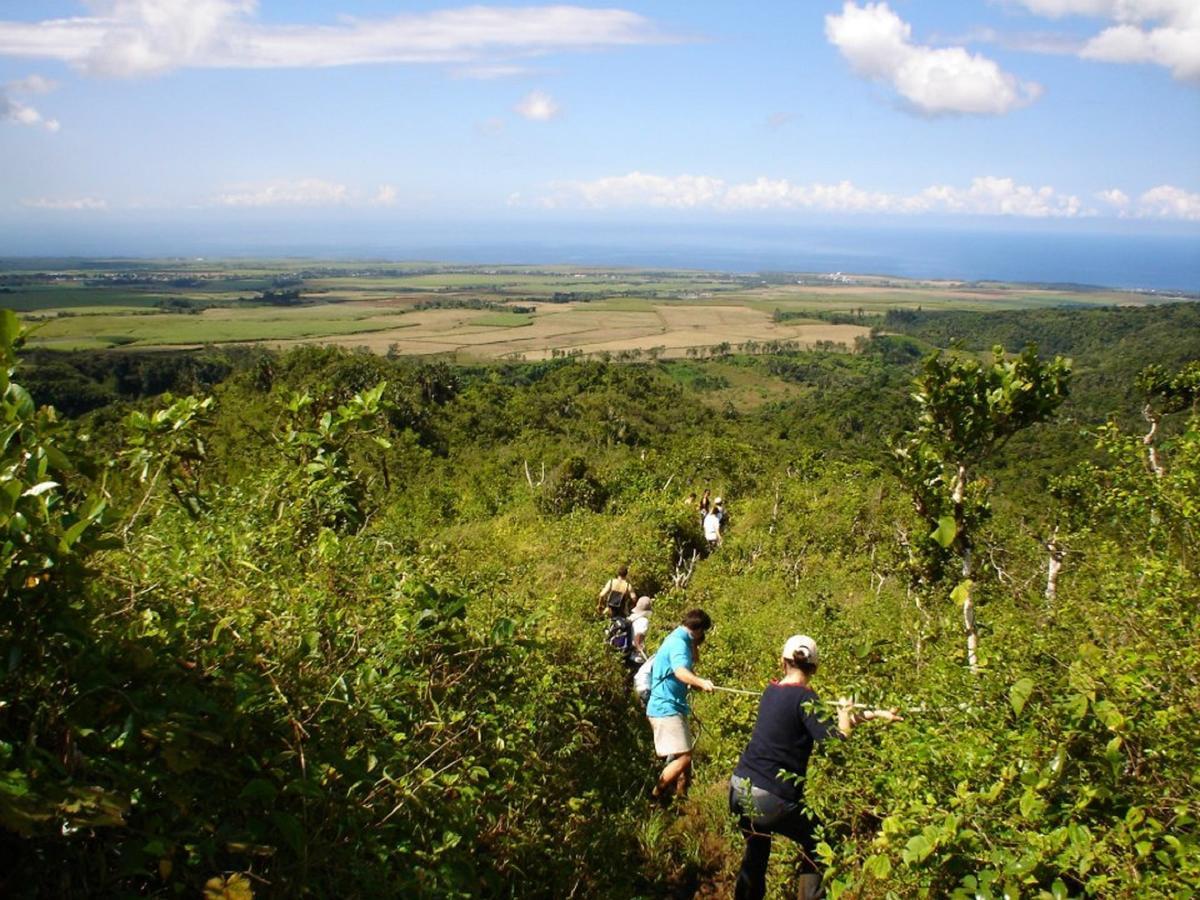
(802, 648)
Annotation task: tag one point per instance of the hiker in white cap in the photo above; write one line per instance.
(766, 791)
(639, 624)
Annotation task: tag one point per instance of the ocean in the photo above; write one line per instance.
(1141, 259)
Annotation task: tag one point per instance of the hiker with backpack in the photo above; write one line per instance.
(766, 791)
(627, 636)
(670, 677)
(615, 595)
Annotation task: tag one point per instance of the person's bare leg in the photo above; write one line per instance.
(684, 780)
(671, 773)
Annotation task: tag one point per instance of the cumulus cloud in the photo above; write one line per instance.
(80, 203)
(1162, 32)
(1115, 198)
(988, 195)
(1168, 202)
(145, 37)
(538, 106)
(23, 114)
(934, 81)
(301, 192)
(12, 110)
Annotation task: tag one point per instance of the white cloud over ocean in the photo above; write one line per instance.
(987, 195)
(298, 192)
(59, 204)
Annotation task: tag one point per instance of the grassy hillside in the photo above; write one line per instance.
(332, 632)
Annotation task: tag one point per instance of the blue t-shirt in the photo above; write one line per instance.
(669, 695)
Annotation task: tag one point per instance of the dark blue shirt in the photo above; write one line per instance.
(776, 759)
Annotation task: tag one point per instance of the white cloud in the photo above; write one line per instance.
(81, 203)
(1167, 202)
(1162, 32)
(935, 81)
(385, 196)
(32, 84)
(538, 106)
(23, 114)
(145, 37)
(1115, 198)
(639, 189)
(302, 192)
(987, 195)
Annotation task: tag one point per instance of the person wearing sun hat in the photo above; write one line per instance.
(639, 624)
(766, 791)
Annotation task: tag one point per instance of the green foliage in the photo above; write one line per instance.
(343, 645)
(965, 411)
(571, 486)
(168, 441)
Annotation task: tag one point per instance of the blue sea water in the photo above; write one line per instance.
(1156, 262)
(1139, 258)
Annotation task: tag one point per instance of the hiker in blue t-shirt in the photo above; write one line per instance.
(766, 791)
(670, 677)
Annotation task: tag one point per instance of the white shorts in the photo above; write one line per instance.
(672, 735)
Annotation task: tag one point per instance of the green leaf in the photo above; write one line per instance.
(1031, 804)
(878, 866)
(917, 849)
(502, 630)
(962, 591)
(10, 328)
(1019, 693)
(945, 532)
(20, 398)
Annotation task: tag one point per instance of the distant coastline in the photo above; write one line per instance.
(1149, 262)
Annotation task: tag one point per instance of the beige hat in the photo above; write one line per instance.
(801, 648)
(641, 609)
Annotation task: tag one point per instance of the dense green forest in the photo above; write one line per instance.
(323, 623)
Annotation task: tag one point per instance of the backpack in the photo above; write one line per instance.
(619, 635)
(616, 599)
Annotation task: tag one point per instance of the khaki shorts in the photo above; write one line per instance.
(672, 735)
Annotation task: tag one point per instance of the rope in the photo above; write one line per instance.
(908, 710)
(729, 690)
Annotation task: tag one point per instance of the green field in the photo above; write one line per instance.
(144, 303)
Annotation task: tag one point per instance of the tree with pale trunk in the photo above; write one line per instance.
(967, 409)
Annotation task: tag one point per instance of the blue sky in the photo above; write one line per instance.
(193, 114)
